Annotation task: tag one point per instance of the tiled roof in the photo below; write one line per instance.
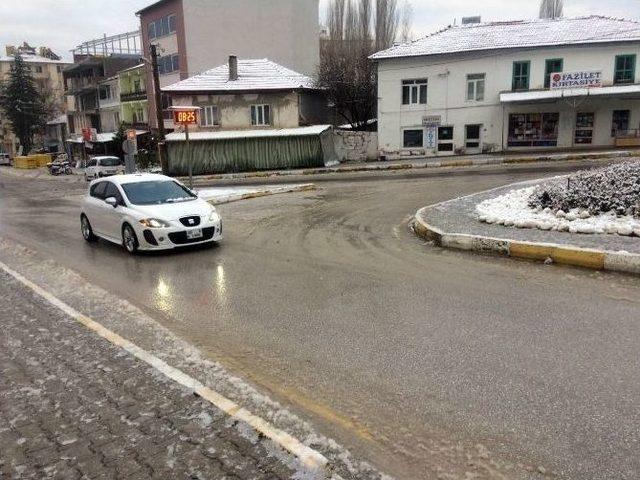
(253, 75)
(518, 34)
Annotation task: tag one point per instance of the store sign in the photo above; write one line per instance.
(185, 117)
(430, 121)
(431, 137)
(576, 80)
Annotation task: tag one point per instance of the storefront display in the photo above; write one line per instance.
(533, 129)
(584, 128)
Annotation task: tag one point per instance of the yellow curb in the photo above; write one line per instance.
(580, 258)
(531, 252)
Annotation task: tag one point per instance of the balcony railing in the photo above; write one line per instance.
(133, 97)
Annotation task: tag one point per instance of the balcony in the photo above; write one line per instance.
(133, 97)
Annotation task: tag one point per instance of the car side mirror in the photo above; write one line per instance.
(111, 201)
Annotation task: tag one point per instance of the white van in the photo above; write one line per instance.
(98, 167)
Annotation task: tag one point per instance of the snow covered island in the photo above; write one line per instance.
(604, 200)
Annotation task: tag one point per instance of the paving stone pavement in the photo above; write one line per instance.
(73, 406)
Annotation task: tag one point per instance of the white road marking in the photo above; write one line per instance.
(308, 457)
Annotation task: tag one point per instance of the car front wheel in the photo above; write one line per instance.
(87, 231)
(129, 239)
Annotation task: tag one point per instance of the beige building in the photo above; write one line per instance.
(46, 68)
(193, 35)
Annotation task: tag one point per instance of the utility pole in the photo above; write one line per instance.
(162, 156)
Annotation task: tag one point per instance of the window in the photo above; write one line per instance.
(163, 26)
(584, 128)
(475, 87)
(112, 191)
(38, 69)
(105, 92)
(169, 64)
(625, 69)
(209, 116)
(521, 75)
(260, 115)
(533, 129)
(414, 92)
(445, 139)
(98, 190)
(620, 122)
(554, 65)
(472, 136)
(413, 138)
(136, 86)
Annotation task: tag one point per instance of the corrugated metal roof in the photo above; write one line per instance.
(237, 134)
(518, 34)
(253, 75)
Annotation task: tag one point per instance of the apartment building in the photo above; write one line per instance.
(193, 35)
(520, 85)
(134, 106)
(46, 68)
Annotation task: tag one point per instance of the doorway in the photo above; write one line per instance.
(472, 138)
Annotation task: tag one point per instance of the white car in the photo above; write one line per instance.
(147, 212)
(5, 159)
(98, 167)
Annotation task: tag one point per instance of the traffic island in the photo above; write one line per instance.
(456, 224)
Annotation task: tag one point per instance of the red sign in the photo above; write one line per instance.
(86, 134)
(185, 117)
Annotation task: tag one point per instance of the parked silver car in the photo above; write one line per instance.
(105, 166)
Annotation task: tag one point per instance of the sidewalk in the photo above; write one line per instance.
(74, 406)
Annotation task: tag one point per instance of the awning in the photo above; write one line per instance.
(542, 95)
(75, 140)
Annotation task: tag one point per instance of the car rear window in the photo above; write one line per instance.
(157, 192)
(110, 162)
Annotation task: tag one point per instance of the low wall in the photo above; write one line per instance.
(356, 146)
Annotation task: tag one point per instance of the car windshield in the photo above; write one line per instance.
(157, 192)
(110, 162)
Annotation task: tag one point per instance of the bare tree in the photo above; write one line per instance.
(551, 8)
(406, 22)
(356, 30)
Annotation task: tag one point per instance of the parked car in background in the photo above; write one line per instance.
(5, 159)
(147, 212)
(98, 167)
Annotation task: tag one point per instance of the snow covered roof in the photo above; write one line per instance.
(510, 97)
(253, 75)
(60, 119)
(33, 59)
(238, 134)
(518, 34)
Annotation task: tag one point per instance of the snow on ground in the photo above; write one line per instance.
(225, 194)
(512, 210)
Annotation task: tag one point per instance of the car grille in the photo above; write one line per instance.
(180, 238)
(190, 221)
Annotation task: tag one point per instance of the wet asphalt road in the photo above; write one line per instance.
(424, 361)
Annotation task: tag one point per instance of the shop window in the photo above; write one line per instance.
(584, 128)
(620, 124)
(475, 87)
(260, 115)
(414, 92)
(625, 69)
(445, 139)
(521, 72)
(413, 138)
(554, 65)
(533, 129)
(209, 116)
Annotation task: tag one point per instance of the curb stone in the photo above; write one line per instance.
(262, 193)
(563, 254)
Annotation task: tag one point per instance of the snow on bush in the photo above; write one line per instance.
(611, 189)
(605, 200)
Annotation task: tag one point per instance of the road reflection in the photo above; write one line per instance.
(163, 296)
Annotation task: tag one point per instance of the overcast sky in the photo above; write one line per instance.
(63, 24)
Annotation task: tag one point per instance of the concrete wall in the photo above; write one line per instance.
(285, 31)
(235, 110)
(447, 92)
(353, 146)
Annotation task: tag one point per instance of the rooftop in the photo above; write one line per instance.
(518, 34)
(253, 75)
(33, 59)
(242, 134)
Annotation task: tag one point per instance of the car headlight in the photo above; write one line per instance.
(154, 223)
(214, 217)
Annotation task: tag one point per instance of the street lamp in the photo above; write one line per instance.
(185, 116)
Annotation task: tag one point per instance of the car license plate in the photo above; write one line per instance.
(195, 233)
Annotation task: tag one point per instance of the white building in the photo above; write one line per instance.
(521, 85)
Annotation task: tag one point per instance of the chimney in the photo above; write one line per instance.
(233, 68)
(11, 50)
(471, 20)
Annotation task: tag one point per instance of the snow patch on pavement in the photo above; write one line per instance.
(512, 210)
(229, 194)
